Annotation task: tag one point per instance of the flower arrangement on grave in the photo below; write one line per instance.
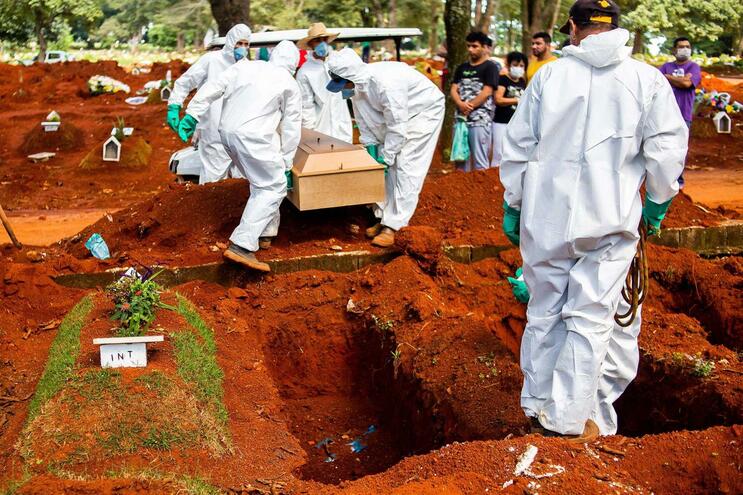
(103, 84)
(136, 299)
(717, 101)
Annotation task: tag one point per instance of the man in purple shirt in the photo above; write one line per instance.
(684, 76)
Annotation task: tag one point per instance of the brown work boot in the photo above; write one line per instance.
(264, 242)
(246, 258)
(373, 231)
(385, 238)
(590, 433)
(536, 428)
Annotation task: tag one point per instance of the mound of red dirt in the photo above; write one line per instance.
(67, 137)
(187, 224)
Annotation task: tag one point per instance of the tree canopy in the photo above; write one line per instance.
(715, 25)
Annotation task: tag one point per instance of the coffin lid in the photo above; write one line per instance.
(320, 154)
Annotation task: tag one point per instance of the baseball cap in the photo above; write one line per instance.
(583, 11)
(336, 83)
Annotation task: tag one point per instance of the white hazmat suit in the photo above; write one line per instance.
(399, 109)
(215, 163)
(322, 110)
(260, 128)
(590, 129)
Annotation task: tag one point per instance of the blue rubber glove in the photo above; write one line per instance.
(187, 127)
(653, 214)
(289, 180)
(518, 286)
(174, 116)
(511, 224)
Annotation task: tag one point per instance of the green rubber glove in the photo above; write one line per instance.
(174, 116)
(653, 214)
(518, 286)
(187, 127)
(289, 180)
(373, 150)
(511, 224)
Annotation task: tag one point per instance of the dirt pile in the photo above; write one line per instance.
(186, 224)
(68, 137)
(329, 378)
(135, 153)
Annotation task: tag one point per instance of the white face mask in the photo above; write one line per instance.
(683, 53)
(516, 72)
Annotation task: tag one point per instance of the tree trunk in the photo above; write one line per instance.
(392, 19)
(638, 44)
(457, 22)
(555, 15)
(227, 13)
(180, 41)
(40, 35)
(378, 12)
(536, 16)
(433, 35)
(487, 16)
(478, 13)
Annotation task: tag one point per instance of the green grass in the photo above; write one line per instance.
(197, 359)
(62, 356)
(155, 381)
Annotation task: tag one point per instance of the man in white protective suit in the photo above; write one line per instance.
(215, 163)
(322, 110)
(260, 128)
(591, 128)
(399, 110)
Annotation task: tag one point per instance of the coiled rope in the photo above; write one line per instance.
(636, 284)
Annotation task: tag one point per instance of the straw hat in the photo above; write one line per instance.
(316, 30)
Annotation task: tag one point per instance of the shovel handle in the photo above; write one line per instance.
(9, 229)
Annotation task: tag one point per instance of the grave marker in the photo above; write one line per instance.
(125, 352)
(112, 150)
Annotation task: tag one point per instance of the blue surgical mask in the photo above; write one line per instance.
(347, 93)
(240, 53)
(321, 50)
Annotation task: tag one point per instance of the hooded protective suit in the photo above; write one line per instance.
(398, 108)
(260, 128)
(322, 110)
(214, 160)
(590, 129)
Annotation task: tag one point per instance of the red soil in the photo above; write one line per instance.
(428, 357)
(188, 225)
(424, 349)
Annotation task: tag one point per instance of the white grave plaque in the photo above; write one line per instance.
(125, 352)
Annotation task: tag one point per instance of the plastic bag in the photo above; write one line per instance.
(98, 247)
(460, 146)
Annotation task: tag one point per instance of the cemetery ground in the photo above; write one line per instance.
(398, 376)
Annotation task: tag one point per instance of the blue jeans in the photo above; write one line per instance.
(479, 141)
(681, 178)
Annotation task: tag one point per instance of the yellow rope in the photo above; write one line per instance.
(636, 284)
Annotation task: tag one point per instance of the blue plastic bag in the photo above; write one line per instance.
(460, 146)
(97, 247)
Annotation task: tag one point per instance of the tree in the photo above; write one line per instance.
(40, 15)
(536, 15)
(457, 18)
(227, 13)
(697, 19)
(482, 19)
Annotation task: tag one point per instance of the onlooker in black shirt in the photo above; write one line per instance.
(472, 89)
(510, 88)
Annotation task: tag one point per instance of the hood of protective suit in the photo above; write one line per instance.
(347, 64)
(286, 56)
(601, 50)
(236, 33)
